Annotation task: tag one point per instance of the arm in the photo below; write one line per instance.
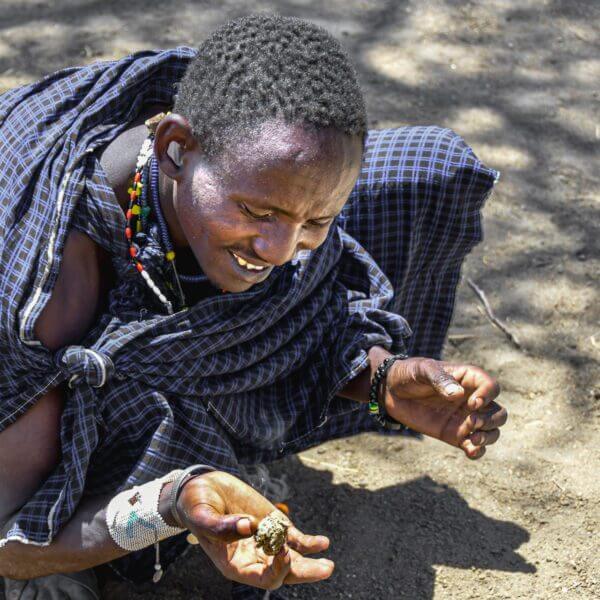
(451, 402)
(219, 509)
(358, 388)
(83, 543)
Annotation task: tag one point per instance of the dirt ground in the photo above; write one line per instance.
(519, 80)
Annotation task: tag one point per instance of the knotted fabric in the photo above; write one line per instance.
(85, 366)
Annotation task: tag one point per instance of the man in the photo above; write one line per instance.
(193, 299)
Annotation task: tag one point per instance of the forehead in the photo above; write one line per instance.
(279, 155)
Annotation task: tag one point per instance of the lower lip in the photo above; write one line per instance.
(249, 275)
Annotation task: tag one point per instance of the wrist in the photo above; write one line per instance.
(377, 355)
(186, 499)
(182, 495)
(381, 401)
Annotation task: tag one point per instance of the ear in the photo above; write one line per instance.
(173, 129)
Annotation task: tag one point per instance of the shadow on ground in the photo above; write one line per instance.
(390, 540)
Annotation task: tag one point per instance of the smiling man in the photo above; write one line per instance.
(193, 290)
(261, 202)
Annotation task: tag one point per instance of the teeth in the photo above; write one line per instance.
(246, 264)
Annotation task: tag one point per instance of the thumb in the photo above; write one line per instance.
(442, 382)
(206, 521)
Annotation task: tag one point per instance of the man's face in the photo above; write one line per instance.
(264, 199)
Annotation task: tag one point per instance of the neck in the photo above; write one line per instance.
(168, 189)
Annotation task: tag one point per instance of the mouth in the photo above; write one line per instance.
(248, 268)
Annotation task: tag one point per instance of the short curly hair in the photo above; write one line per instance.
(260, 67)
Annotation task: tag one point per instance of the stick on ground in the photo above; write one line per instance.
(490, 314)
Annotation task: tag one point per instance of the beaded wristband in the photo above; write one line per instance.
(134, 521)
(376, 403)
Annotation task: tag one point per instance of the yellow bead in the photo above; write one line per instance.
(138, 226)
(170, 255)
(135, 209)
(129, 190)
(139, 187)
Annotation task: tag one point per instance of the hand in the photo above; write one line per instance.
(223, 513)
(453, 403)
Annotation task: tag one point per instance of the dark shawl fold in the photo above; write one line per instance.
(236, 378)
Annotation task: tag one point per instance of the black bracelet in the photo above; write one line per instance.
(178, 484)
(376, 398)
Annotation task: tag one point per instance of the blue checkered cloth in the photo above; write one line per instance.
(237, 378)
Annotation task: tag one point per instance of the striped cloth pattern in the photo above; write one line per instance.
(238, 378)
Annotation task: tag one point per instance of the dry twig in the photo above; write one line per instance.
(490, 314)
(328, 465)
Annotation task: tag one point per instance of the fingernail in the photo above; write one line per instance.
(244, 525)
(192, 539)
(453, 388)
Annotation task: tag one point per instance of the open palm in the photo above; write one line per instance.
(222, 513)
(450, 402)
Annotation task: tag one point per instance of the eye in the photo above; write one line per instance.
(319, 222)
(253, 214)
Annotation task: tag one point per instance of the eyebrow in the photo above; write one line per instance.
(259, 202)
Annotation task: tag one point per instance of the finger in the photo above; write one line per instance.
(471, 450)
(495, 417)
(472, 423)
(306, 544)
(268, 576)
(278, 570)
(309, 570)
(440, 379)
(485, 438)
(483, 387)
(210, 523)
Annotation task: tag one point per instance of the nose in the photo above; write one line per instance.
(279, 244)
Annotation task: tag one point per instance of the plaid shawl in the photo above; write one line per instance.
(236, 377)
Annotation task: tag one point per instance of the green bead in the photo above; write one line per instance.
(145, 211)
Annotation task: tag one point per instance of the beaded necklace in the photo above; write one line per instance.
(146, 183)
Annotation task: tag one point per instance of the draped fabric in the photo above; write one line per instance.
(237, 378)
(266, 363)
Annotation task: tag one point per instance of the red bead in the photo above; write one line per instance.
(129, 214)
(133, 196)
(128, 232)
(132, 251)
(138, 177)
(139, 267)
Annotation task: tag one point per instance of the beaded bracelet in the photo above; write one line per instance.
(376, 403)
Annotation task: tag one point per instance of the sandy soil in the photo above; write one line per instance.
(519, 80)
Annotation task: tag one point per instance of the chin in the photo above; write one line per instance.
(236, 288)
(232, 286)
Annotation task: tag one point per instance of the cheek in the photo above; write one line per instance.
(206, 218)
(319, 237)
